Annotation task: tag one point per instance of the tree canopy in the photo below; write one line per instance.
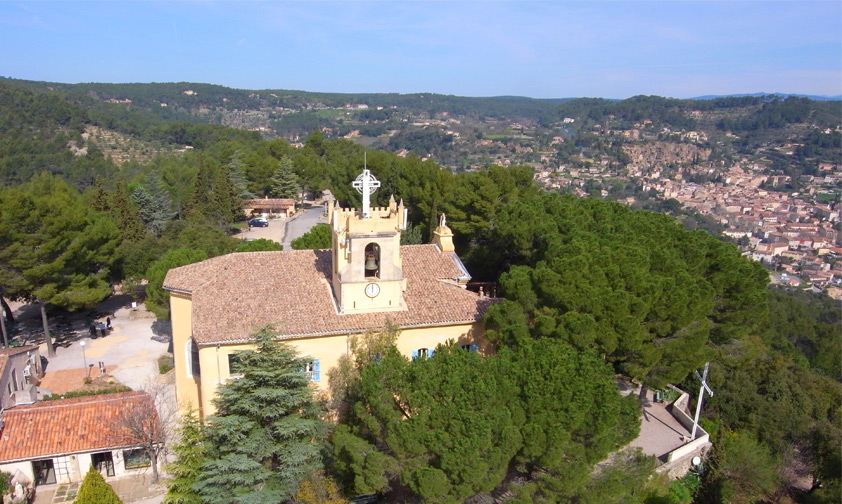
(319, 237)
(634, 286)
(454, 424)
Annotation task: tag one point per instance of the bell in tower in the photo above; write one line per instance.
(367, 268)
(372, 260)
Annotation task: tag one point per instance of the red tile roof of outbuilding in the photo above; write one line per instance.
(82, 424)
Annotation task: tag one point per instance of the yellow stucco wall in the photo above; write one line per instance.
(181, 314)
(327, 349)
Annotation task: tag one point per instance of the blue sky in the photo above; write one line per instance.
(547, 49)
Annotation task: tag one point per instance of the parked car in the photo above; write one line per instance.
(258, 222)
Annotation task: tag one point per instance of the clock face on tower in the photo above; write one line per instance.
(372, 290)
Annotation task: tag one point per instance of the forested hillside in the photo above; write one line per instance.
(591, 289)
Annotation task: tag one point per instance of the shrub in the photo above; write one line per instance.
(82, 393)
(95, 490)
(165, 364)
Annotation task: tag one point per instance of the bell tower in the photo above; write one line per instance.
(367, 268)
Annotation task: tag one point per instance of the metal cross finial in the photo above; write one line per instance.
(366, 184)
(702, 378)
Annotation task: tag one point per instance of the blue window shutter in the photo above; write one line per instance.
(316, 372)
(414, 354)
(432, 351)
(474, 348)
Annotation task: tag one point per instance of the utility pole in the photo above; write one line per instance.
(3, 328)
(702, 378)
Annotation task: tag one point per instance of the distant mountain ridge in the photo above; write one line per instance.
(779, 95)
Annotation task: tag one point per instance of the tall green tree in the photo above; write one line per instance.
(157, 300)
(200, 203)
(151, 211)
(190, 454)
(744, 470)
(237, 174)
(267, 433)
(125, 213)
(447, 422)
(229, 205)
(153, 204)
(53, 248)
(455, 424)
(285, 181)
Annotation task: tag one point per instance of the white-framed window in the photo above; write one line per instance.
(313, 370)
(133, 459)
(234, 372)
(191, 352)
(423, 353)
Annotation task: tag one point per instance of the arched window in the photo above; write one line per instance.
(372, 260)
(192, 352)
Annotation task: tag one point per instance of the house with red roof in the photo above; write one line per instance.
(57, 441)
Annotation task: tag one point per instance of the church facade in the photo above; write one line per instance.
(319, 300)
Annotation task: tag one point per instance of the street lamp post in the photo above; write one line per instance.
(84, 359)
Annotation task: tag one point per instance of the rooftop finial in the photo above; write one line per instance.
(366, 184)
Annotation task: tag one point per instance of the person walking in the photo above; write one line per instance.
(92, 330)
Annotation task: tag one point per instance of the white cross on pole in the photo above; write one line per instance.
(366, 184)
(702, 378)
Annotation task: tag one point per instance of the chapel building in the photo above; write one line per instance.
(318, 300)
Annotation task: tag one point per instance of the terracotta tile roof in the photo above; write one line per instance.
(270, 203)
(81, 424)
(237, 293)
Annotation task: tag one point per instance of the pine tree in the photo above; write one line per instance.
(236, 171)
(267, 433)
(285, 181)
(200, 202)
(99, 197)
(125, 214)
(149, 210)
(411, 235)
(191, 453)
(95, 490)
(228, 206)
(53, 248)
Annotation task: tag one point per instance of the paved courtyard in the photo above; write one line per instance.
(660, 432)
(129, 353)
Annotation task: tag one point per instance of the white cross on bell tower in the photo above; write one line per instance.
(366, 184)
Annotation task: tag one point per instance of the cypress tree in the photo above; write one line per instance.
(227, 204)
(100, 197)
(125, 214)
(200, 202)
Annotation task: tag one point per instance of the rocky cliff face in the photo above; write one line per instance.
(649, 156)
